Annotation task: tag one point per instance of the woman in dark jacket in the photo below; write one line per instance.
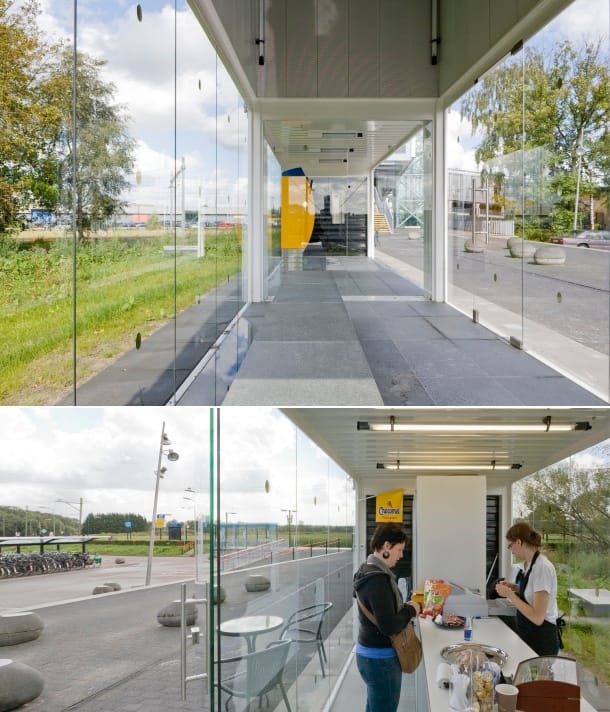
(375, 586)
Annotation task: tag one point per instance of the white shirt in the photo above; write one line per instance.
(543, 578)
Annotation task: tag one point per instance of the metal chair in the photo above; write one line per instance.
(305, 626)
(257, 673)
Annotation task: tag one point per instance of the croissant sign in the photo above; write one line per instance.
(388, 506)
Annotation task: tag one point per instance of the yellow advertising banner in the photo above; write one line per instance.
(388, 506)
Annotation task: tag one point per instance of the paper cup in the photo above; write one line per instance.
(506, 697)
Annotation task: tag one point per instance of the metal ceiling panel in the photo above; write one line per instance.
(358, 452)
(336, 147)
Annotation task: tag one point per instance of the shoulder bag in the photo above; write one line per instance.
(406, 643)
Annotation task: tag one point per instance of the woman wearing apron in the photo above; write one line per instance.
(534, 594)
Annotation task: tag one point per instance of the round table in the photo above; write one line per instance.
(250, 626)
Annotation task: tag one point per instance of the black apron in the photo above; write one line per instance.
(541, 638)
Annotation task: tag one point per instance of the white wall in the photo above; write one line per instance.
(450, 530)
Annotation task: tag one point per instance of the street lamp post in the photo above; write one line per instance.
(580, 152)
(78, 506)
(227, 528)
(172, 456)
(289, 513)
(190, 490)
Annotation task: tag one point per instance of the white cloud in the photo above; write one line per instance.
(168, 78)
(109, 456)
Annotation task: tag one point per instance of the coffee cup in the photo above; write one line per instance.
(506, 697)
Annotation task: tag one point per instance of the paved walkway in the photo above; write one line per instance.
(355, 331)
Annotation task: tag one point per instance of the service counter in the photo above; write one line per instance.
(490, 631)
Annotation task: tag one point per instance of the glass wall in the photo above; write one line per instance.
(273, 204)
(567, 504)
(528, 211)
(340, 226)
(123, 219)
(403, 207)
(285, 516)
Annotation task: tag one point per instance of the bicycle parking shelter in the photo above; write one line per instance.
(45, 541)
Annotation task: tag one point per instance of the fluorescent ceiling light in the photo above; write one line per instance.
(544, 426)
(341, 134)
(398, 465)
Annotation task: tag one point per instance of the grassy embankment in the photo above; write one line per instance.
(124, 287)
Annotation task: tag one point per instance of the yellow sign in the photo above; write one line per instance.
(298, 212)
(388, 506)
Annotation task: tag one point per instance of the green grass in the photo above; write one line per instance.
(122, 289)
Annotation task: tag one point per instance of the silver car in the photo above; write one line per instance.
(600, 239)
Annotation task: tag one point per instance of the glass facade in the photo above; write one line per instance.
(562, 503)
(285, 514)
(527, 175)
(124, 243)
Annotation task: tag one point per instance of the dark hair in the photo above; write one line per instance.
(389, 531)
(523, 531)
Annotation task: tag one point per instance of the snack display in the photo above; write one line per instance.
(449, 620)
(473, 680)
(435, 593)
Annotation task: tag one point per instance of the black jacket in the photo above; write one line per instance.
(374, 588)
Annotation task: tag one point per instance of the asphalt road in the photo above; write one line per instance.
(107, 652)
(572, 299)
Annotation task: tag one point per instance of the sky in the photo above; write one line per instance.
(109, 457)
(149, 70)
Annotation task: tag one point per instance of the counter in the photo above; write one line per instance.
(491, 631)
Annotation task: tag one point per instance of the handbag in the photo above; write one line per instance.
(406, 643)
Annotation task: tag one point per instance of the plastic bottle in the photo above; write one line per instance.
(468, 629)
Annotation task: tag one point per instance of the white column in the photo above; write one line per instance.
(371, 216)
(255, 254)
(438, 286)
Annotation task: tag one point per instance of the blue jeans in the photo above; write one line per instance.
(383, 679)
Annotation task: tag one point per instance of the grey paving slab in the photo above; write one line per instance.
(496, 359)
(396, 381)
(434, 309)
(306, 322)
(416, 328)
(304, 373)
(459, 327)
(550, 390)
(305, 293)
(455, 391)
(431, 359)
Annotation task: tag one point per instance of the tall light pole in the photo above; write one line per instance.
(190, 490)
(52, 510)
(579, 151)
(289, 513)
(78, 506)
(172, 456)
(227, 527)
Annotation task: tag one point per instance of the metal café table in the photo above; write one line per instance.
(250, 626)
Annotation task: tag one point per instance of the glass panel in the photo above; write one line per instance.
(403, 208)
(530, 187)
(340, 226)
(285, 518)
(273, 203)
(562, 503)
(109, 296)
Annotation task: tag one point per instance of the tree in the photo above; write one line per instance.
(561, 102)
(93, 162)
(114, 523)
(27, 172)
(572, 503)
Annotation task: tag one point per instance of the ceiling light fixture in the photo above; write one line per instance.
(493, 465)
(545, 426)
(342, 134)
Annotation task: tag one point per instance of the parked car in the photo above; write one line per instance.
(599, 239)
